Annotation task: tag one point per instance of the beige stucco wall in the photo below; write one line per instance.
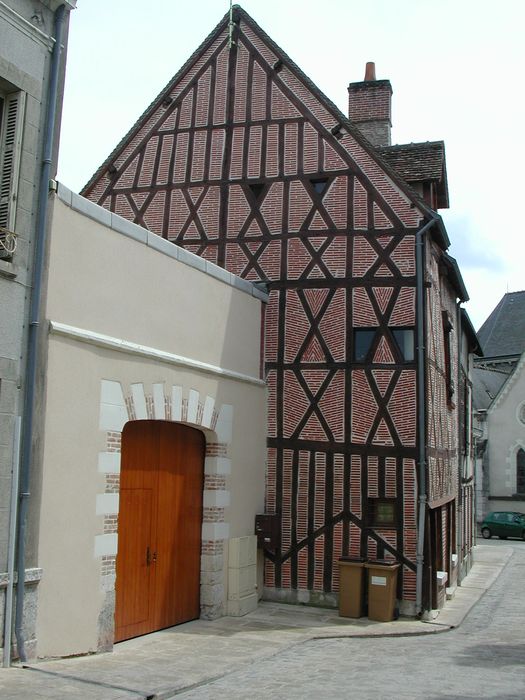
(506, 435)
(104, 282)
(121, 283)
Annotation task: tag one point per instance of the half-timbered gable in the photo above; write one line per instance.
(243, 161)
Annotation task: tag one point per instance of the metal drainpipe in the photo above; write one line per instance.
(421, 399)
(461, 465)
(34, 319)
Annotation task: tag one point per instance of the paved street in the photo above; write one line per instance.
(282, 651)
(484, 658)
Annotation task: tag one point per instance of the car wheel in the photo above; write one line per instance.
(487, 534)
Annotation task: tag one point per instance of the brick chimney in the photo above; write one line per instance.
(370, 107)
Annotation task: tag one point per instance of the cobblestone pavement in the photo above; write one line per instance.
(484, 658)
(277, 652)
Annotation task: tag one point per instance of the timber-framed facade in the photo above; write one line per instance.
(243, 161)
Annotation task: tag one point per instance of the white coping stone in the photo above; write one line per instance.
(176, 403)
(123, 226)
(215, 531)
(107, 503)
(189, 258)
(89, 208)
(216, 498)
(207, 413)
(159, 404)
(139, 401)
(162, 245)
(193, 405)
(106, 545)
(225, 424)
(217, 465)
(65, 194)
(218, 272)
(127, 228)
(109, 462)
(259, 294)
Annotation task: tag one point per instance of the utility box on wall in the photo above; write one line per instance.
(268, 531)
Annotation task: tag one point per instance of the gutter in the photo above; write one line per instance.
(33, 326)
(421, 404)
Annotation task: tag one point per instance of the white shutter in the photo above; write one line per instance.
(10, 147)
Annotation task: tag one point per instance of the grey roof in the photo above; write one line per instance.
(503, 333)
(420, 162)
(486, 384)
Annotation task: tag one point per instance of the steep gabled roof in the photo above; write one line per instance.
(503, 333)
(334, 125)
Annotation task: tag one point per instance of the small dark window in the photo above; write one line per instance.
(520, 472)
(404, 338)
(447, 331)
(257, 190)
(363, 340)
(382, 512)
(319, 184)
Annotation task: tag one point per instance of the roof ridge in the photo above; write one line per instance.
(344, 120)
(398, 180)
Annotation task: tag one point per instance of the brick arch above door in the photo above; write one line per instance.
(120, 404)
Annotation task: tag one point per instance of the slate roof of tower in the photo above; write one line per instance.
(486, 385)
(503, 333)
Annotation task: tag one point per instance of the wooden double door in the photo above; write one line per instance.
(159, 527)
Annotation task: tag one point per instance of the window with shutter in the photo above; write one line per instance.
(11, 122)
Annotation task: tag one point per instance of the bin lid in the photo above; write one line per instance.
(355, 560)
(383, 562)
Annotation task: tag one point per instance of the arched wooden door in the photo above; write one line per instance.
(159, 527)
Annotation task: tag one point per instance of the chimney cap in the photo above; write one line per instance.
(370, 71)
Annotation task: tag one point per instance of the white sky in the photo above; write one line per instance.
(456, 68)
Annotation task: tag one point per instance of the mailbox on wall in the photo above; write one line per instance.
(268, 530)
